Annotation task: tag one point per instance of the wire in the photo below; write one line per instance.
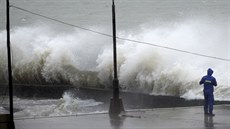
(46, 17)
(125, 39)
(174, 49)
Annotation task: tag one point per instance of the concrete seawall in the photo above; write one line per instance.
(131, 100)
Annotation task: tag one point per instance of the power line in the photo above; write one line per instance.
(59, 21)
(125, 39)
(174, 49)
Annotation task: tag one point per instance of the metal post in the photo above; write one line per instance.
(115, 80)
(116, 105)
(11, 124)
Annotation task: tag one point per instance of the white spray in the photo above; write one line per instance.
(41, 54)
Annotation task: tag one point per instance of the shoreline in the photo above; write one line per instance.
(131, 100)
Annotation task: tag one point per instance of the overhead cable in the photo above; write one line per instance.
(125, 39)
(59, 21)
(174, 49)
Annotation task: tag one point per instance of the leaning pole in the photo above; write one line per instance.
(11, 124)
(116, 104)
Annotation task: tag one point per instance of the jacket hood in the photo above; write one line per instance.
(210, 72)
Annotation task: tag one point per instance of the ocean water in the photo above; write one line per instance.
(67, 105)
(45, 51)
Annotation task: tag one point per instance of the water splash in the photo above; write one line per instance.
(45, 55)
(67, 105)
(164, 72)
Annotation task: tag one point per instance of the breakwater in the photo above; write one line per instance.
(131, 100)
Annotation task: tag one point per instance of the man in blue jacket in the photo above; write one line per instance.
(209, 82)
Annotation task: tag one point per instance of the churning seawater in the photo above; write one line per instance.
(45, 51)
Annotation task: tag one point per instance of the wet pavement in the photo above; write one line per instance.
(160, 118)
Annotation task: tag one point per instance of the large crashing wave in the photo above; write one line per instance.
(166, 72)
(42, 55)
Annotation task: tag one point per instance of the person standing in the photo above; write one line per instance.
(209, 82)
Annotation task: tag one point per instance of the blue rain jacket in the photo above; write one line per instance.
(209, 81)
